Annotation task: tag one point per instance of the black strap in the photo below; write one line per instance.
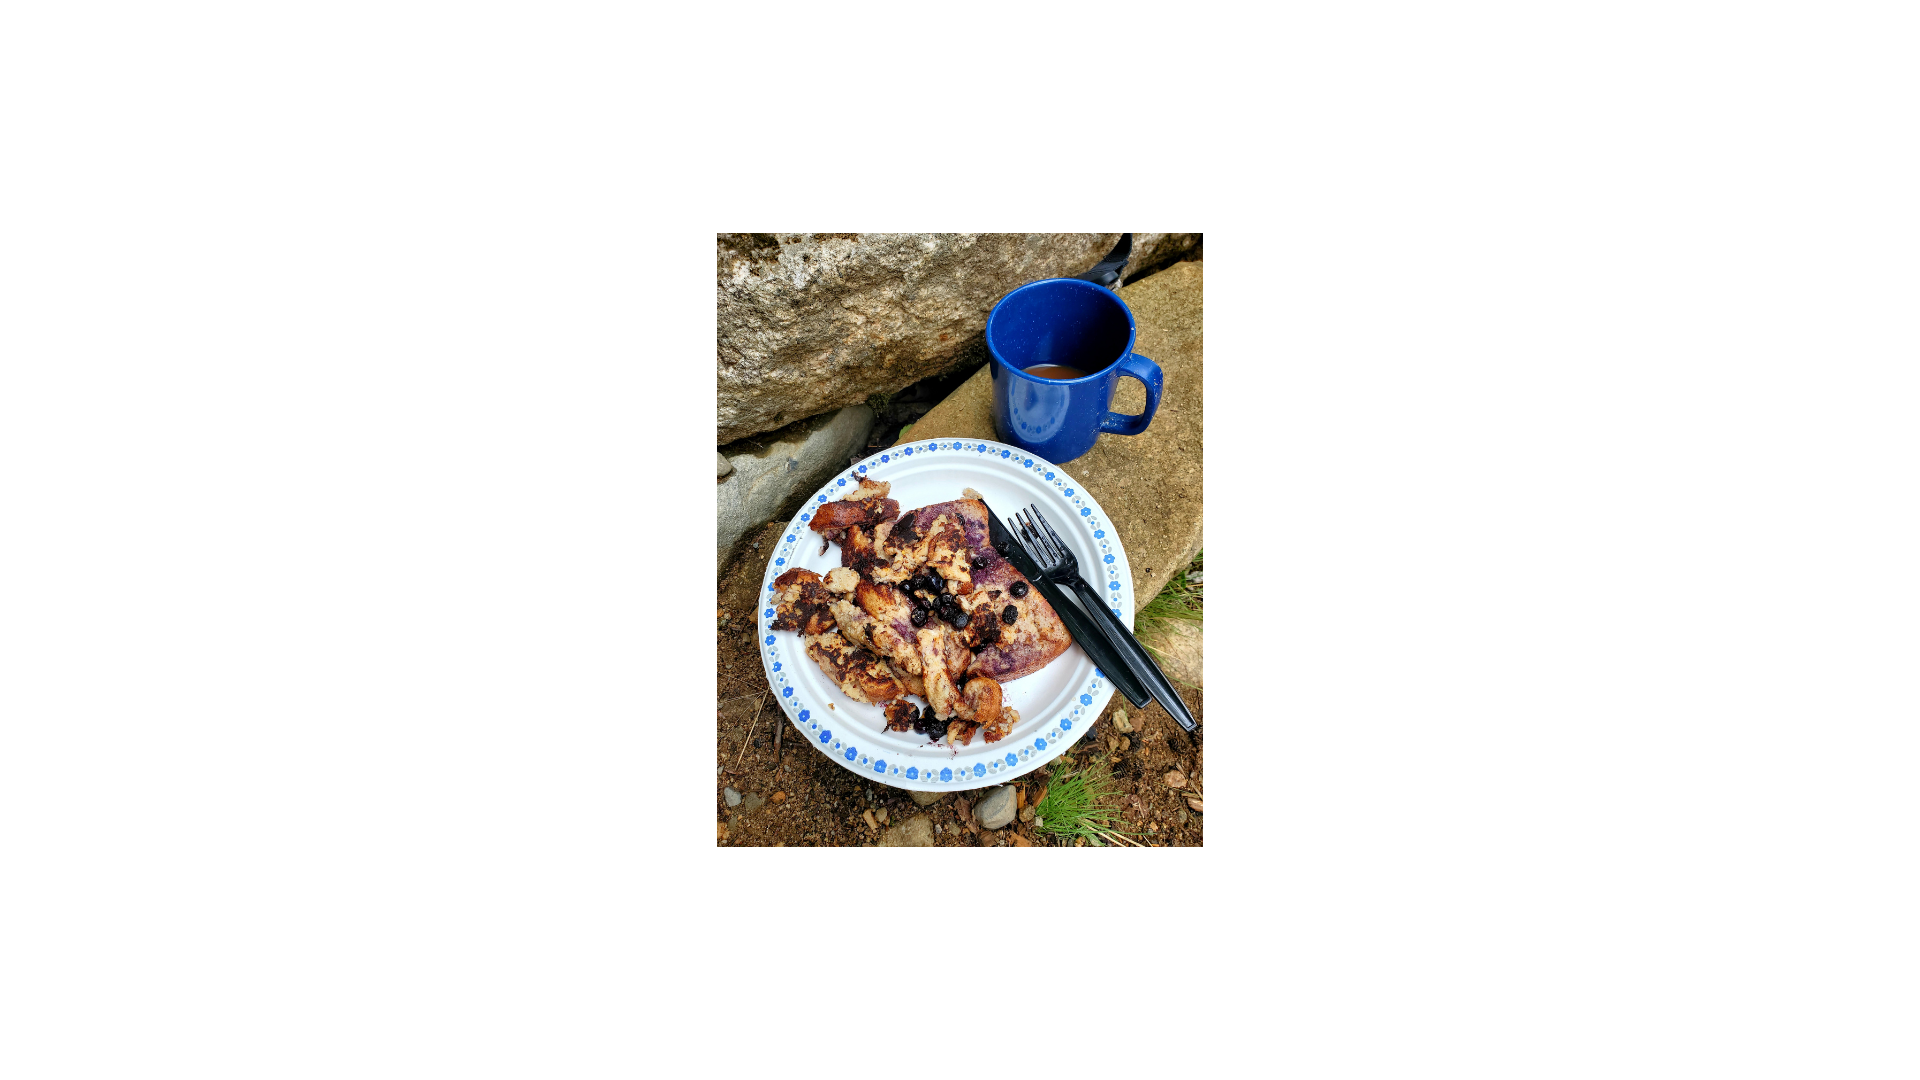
(1107, 271)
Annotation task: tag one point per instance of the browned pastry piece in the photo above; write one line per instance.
(1002, 727)
(860, 675)
(943, 659)
(960, 732)
(802, 602)
(865, 487)
(901, 715)
(914, 683)
(978, 708)
(880, 619)
(839, 515)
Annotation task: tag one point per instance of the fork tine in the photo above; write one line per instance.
(1040, 540)
(1049, 528)
(1052, 542)
(1031, 537)
(1025, 533)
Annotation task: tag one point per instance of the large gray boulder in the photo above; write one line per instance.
(771, 476)
(809, 322)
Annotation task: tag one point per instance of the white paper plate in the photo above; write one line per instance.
(1057, 704)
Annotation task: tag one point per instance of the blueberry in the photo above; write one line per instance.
(919, 616)
(1018, 589)
(1008, 615)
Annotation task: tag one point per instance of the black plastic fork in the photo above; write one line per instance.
(1058, 563)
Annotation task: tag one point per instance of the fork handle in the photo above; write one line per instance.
(1096, 638)
(1136, 656)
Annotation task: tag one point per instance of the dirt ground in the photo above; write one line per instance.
(795, 797)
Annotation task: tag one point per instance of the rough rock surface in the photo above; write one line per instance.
(1179, 645)
(995, 809)
(1151, 249)
(1149, 484)
(916, 831)
(725, 466)
(771, 476)
(926, 798)
(808, 322)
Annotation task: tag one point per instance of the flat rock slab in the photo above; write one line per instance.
(1149, 484)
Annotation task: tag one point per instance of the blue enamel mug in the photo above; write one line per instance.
(1058, 348)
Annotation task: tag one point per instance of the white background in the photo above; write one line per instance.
(355, 398)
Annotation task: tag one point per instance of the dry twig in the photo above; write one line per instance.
(750, 728)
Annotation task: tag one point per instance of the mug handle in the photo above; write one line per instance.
(1148, 373)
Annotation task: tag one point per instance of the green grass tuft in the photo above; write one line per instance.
(1072, 806)
(1183, 600)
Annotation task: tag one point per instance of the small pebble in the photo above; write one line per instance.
(995, 809)
(733, 797)
(1174, 779)
(1120, 721)
(779, 796)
